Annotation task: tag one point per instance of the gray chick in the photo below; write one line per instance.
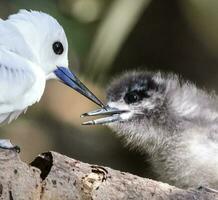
(169, 119)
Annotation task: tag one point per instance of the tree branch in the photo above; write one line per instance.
(52, 176)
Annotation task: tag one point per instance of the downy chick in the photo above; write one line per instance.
(171, 120)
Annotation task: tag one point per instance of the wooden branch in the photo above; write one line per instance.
(52, 176)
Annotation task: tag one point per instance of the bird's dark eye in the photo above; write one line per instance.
(132, 97)
(142, 92)
(58, 48)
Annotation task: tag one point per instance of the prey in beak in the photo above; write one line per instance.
(111, 115)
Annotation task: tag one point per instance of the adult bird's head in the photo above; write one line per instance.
(44, 42)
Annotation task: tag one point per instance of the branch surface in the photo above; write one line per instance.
(52, 176)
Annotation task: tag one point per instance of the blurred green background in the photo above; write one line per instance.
(105, 38)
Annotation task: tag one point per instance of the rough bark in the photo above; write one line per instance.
(52, 176)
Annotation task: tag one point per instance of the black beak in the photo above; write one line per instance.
(70, 79)
(112, 113)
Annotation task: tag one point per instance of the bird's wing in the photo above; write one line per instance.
(21, 84)
(13, 40)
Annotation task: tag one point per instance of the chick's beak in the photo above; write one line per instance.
(70, 79)
(113, 114)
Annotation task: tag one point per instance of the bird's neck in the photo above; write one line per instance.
(148, 137)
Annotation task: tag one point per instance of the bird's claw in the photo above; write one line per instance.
(6, 144)
(14, 148)
(207, 189)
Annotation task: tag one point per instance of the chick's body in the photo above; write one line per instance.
(172, 121)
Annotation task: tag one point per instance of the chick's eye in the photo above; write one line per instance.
(132, 97)
(58, 48)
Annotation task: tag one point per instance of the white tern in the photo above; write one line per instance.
(33, 49)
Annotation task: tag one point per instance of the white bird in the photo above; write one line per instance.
(33, 49)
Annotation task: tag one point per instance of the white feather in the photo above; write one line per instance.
(21, 84)
(27, 60)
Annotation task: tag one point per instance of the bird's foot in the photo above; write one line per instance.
(207, 189)
(6, 144)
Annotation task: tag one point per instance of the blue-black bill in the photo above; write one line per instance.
(70, 79)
